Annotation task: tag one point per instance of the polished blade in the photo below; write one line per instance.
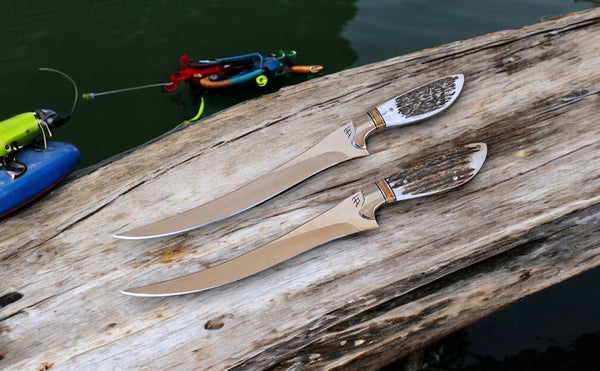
(348, 142)
(356, 213)
(346, 218)
(335, 148)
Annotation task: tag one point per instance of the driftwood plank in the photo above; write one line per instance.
(528, 220)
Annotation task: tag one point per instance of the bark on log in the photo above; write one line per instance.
(528, 220)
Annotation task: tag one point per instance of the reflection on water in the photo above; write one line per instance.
(386, 28)
(555, 329)
(455, 353)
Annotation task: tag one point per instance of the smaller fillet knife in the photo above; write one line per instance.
(354, 214)
(347, 142)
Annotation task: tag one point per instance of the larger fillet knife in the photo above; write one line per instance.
(347, 142)
(354, 214)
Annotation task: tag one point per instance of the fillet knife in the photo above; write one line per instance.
(356, 213)
(347, 142)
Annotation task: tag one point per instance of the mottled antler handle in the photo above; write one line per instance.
(419, 103)
(413, 106)
(446, 171)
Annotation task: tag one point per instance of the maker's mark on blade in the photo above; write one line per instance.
(443, 172)
(430, 97)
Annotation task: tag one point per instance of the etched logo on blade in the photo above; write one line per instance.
(358, 199)
(349, 131)
(426, 98)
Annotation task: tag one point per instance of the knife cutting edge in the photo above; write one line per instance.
(347, 142)
(356, 213)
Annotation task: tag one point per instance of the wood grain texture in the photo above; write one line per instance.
(528, 220)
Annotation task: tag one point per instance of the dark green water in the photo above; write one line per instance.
(106, 45)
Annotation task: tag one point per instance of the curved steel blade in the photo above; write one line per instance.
(347, 142)
(344, 219)
(354, 214)
(335, 148)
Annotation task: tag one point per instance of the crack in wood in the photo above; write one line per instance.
(360, 318)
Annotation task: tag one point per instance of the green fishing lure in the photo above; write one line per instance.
(26, 129)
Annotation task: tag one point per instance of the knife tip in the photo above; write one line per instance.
(135, 292)
(129, 292)
(144, 233)
(128, 235)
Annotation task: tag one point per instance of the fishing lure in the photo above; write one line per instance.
(220, 73)
(27, 128)
(224, 72)
(189, 121)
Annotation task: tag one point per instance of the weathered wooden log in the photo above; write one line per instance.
(528, 220)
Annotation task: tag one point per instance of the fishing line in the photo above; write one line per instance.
(69, 78)
(90, 96)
